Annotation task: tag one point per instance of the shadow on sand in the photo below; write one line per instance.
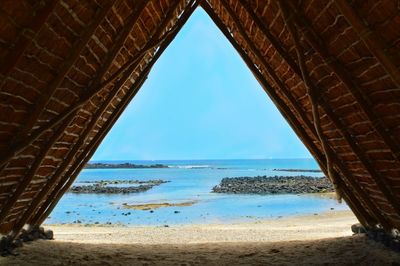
(355, 250)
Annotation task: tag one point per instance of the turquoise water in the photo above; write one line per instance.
(190, 181)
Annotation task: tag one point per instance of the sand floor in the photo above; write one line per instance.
(307, 240)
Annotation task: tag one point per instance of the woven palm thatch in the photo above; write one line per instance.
(68, 68)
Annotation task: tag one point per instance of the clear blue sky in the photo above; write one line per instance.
(200, 102)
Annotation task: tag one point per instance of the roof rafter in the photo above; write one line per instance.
(81, 161)
(371, 40)
(366, 106)
(92, 90)
(313, 96)
(293, 121)
(379, 180)
(26, 37)
(76, 51)
(321, 101)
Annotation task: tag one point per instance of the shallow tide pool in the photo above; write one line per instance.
(190, 181)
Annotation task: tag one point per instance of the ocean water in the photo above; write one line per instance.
(190, 181)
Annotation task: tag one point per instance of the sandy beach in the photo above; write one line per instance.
(324, 239)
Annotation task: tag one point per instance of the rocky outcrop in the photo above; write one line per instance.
(106, 187)
(274, 185)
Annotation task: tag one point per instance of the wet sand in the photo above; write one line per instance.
(153, 206)
(324, 239)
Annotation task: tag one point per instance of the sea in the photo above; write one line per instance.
(190, 181)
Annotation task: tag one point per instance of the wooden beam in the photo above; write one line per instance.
(312, 94)
(22, 143)
(275, 78)
(313, 99)
(79, 164)
(282, 87)
(72, 112)
(372, 209)
(119, 42)
(365, 215)
(379, 180)
(341, 73)
(24, 183)
(74, 170)
(386, 191)
(94, 89)
(75, 52)
(279, 103)
(25, 38)
(81, 140)
(376, 176)
(279, 47)
(373, 42)
(70, 156)
(276, 43)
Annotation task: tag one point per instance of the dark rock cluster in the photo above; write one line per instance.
(35, 233)
(298, 170)
(389, 239)
(358, 229)
(105, 187)
(274, 185)
(8, 243)
(122, 165)
(131, 181)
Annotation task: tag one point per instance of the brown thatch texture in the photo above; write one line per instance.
(69, 68)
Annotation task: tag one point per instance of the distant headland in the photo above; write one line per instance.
(122, 165)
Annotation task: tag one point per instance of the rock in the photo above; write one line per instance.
(273, 185)
(107, 188)
(24, 236)
(4, 244)
(18, 243)
(49, 234)
(35, 235)
(176, 211)
(7, 244)
(274, 250)
(358, 229)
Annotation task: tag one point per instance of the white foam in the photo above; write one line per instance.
(189, 166)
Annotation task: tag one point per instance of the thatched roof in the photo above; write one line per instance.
(69, 68)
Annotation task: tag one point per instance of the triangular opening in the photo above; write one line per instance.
(199, 103)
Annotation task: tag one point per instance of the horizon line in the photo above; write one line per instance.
(296, 158)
